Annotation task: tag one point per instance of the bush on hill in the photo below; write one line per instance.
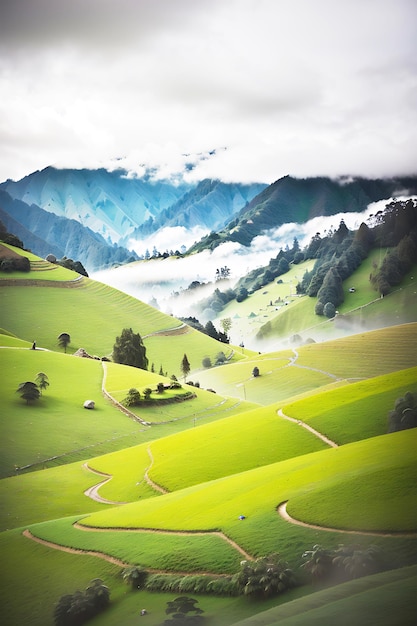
(404, 414)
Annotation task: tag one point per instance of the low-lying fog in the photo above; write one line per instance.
(158, 280)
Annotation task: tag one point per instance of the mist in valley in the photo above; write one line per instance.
(164, 283)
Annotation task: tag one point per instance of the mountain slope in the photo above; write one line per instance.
(45, 233)
(210, 205)
(299, 200)
(109, 203)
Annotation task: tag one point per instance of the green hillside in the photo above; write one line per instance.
(301, 451)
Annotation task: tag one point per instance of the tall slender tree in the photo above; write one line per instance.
(185, 366)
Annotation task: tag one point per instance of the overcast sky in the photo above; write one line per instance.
(241, 90)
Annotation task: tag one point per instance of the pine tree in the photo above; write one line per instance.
(185, 366)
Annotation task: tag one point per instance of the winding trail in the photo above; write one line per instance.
(110, 559)
(315, 432)
(161, 531)
(282, 512)
(149, 480)
(92, 492)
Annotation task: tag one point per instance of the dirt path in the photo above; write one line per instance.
(309, 428)
(106, 557)
(282, 512)
(149, 480)
(56, 546)
(161, 531)
(92, 492)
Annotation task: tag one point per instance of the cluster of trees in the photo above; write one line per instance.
(31, 391)
(210, 329)
(265, 577)
(404, 413)
(395, 265)
(343, 563)
(75, 609)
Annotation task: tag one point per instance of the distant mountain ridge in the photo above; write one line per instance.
(109, 203)
(46, 233)
(210, 205)
(299, 200)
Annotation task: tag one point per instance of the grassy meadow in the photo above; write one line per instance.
(163, 486)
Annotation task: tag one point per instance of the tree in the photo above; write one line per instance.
(64, 340)
(132, 398)
(180, 609)
(29, 391)
(42, 381)
(185, 366)
(226, 324)
(211, 330)
(206, 362)
(255, 372)
(267, 576)
(147, 393)
(129, 350)
(134, 576)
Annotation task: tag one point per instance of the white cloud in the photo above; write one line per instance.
(308, 87)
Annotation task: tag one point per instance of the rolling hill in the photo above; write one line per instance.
(193, 482)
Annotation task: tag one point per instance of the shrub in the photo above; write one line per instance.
(329, 309)
(265, 577)
(132, 398)
(206, 362)
(255, 372)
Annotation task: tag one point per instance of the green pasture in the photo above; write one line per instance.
(363, 307)
(235, 444)
(365, 354)
(349, 472)
(169, 552)
(10, 341)
(355, 412)
(276, 381)
(57, 425)
(78, 311)
(46, 494)
(50, 574)
(92, 313)
(264, 304)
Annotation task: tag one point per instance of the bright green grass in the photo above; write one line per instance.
(168, 351)
(50, 574)
(256, 494)
(168, 552)
(276, 381)
(225, 447)
(366, 354)
(46, 494)
(233, 445)
(57, 424)
(259, 303)
(355, 412)
(9, 341)
(79, 312)
(386, 599)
